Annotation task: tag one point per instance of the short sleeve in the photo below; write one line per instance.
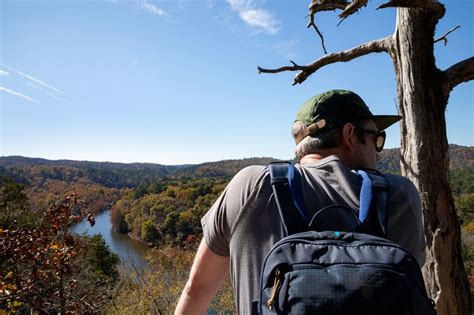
(217, 223)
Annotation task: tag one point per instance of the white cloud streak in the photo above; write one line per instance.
(19, 95)
(60, 99)
(29, 77)
(4, 73)
(153, 9)
(259, 19)
(286, 48)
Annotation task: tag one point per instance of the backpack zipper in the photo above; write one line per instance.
(276, 286)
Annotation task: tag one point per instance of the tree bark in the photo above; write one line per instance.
(424, 150)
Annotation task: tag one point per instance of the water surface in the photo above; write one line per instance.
(129, 250)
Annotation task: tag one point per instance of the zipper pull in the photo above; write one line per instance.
(276, 286)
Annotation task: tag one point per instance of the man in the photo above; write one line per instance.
(335, 133)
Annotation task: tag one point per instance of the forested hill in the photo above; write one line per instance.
(121, 175)
(460, 157)
(34, 171)
(112, 175)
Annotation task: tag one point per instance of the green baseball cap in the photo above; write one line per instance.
(335, 108)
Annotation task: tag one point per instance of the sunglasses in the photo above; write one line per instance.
(379, 137)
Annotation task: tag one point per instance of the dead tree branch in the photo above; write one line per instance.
(443, 38)
(375, 46)
(295, 67)
(352, 8)
(319, 6)
(461, 72)
(406, 4)
(436, 8)
(311, 23)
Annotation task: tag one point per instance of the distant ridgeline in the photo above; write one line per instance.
(114, 175)
(30, 171)
(157, 203)
(460, 157)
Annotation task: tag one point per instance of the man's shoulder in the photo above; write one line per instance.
(400, 183)
(397, 179)
(249, 177)
(252, 172)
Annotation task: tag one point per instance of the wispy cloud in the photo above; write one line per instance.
(32, 85)
(254, 17)
(286, 48)
(19, 95)
(4, 73)
(60, 99)
(151, 8)
(35, 83)
(29, 77)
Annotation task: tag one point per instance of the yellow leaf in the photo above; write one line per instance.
(9, 275)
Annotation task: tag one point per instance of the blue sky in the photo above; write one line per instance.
(176, 82)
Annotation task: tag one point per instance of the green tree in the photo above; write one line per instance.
(117, 218)
(149, 233)
(101, 258)
(465, 207)
(13, 201)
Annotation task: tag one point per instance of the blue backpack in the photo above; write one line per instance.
(338, 262)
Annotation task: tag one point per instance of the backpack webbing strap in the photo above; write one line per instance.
(381, 189)
(374, 202)
(287, 190)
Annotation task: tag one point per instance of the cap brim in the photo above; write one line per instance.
(385, 121)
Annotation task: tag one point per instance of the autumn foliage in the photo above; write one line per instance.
(39, 261)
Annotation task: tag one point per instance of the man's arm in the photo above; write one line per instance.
(207, 275)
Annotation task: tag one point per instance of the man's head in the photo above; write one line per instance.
(331, 120)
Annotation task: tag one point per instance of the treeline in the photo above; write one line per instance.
(35, 171)
(460, 157)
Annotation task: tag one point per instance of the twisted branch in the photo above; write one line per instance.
(375, 46)
(352, 8)
(461, 72)
(348, 8)
(295, 67)
(436, 8)
(319, 6)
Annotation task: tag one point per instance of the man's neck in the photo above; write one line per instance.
(312, 158)
(318, 156)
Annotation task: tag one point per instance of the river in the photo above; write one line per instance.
(129, 250)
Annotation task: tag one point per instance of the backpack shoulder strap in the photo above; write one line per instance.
(286, 187)
(381, 187)
(373, 211)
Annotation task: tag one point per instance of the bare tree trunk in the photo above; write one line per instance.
(422, 104)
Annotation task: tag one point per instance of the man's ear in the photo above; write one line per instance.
(347, 137)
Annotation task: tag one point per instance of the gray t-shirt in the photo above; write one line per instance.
(244, 223)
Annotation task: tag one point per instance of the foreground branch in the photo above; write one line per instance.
(380, 45)
(352, 8)
(319, 6)
(461, 72)
(295, 67)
